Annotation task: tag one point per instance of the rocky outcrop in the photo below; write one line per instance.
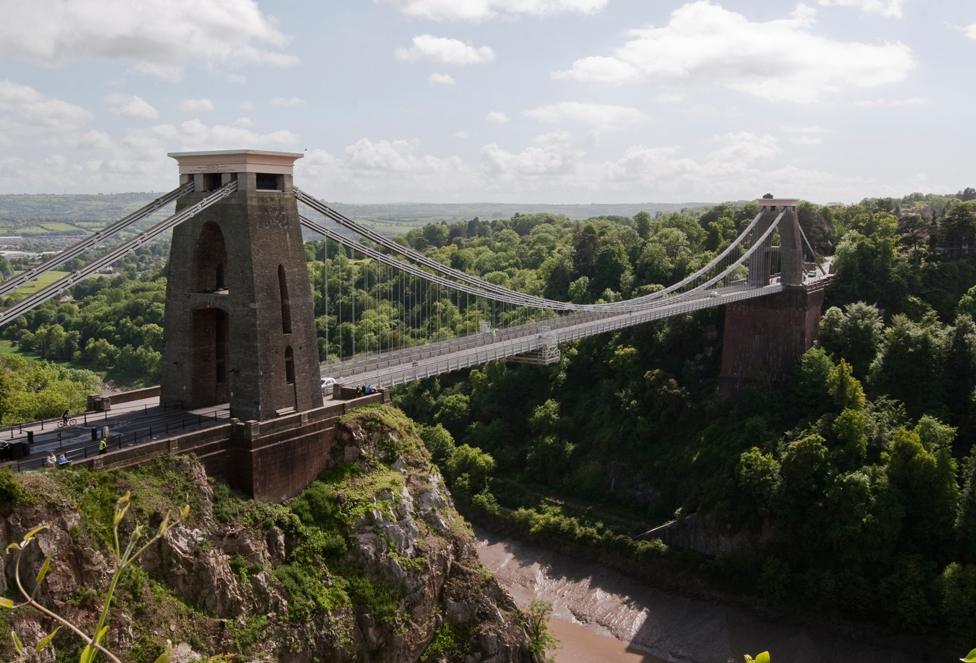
(371, 563)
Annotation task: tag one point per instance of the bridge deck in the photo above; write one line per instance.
(132, 424)
(402, 366)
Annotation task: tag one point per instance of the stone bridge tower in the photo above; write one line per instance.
(765, 337)
(239, 319)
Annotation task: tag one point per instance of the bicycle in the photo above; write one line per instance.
(67, 424)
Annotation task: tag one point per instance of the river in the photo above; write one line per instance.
(601, 615)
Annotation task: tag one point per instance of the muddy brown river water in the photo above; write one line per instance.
(603, 616)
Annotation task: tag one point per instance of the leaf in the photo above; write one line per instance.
(184, 512)
(763, 657)
(18, 645)
(12, 546)
(46, 640)
(970, 657)
(101, 634)
(167, 655)
(87, 654)
(32, 533)
(43, 571)
(163, 526)
(6, 603)
(121, 506)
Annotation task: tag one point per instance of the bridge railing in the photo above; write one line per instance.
(75, 452)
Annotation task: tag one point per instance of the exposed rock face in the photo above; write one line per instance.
(372, 564)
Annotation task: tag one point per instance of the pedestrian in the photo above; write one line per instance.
(51, 460)
(103, 445)
(63, 460)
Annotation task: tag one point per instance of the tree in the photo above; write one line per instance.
(757, 476)
(845, 389)
(850, 429)
(966, 520)
(439, 443)
(642, 220)
(925, 482)
(804, 471)
(909, 365)
(967, 304)
(541, 640)
(470, 468)
(854, 334)
(812, 383)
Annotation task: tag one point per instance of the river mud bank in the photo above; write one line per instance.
(602, 615)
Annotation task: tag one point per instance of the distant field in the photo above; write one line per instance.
(58, 227)
(35, 214)
(42, 281)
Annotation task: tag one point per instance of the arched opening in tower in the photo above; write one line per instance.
(210, 357)
(285, 303)
(210, 260)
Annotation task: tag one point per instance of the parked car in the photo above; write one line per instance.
(327, 385)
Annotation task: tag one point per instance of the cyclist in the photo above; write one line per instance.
(64, 419)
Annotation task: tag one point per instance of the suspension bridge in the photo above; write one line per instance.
(245, 332)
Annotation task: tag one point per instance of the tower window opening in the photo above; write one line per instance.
(289, 366)
(220, 363)
(219, 273)
(269, 182)
(285, 303)
(211, 181)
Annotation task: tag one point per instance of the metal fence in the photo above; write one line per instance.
(73, 451)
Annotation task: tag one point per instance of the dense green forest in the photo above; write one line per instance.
(853, 486)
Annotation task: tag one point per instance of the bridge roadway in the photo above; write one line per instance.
(129, 425)
(398, 367)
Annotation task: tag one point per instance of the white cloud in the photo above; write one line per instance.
(444, 50)
(286, 102)
(196, 106)
(970, 31)
(129, 105)
(25, 112)
(461, 135)
(599, 116)
(159, 37)
(497, 117)
(476, 10)
(392, 157)
(135, 159)
(549, 155)
(388, 169)
(194, 134)
(890, 103)
(806, 136)
(704, 44)
(889, 8)
(441, 79)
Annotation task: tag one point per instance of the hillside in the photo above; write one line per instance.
(370, 563)
(66, 213)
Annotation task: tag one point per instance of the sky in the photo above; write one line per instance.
(544, 101)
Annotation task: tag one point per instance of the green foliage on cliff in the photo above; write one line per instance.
(31, 390)
(854, 484)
